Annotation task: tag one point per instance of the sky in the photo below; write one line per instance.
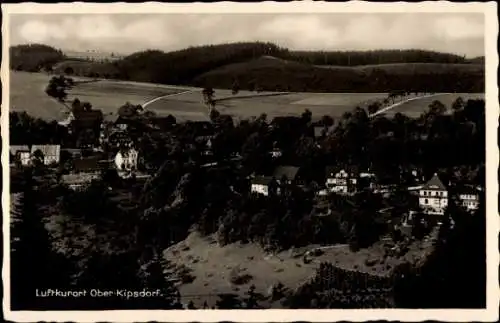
(458, 33)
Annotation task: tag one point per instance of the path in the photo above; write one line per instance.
(144, 105)
(392, 106)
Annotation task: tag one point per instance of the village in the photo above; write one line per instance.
(110, 142)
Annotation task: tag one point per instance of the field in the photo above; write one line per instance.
(213, 265)
(27, 93)
(416, 107)
(334, 104)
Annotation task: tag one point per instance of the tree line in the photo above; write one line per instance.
(218, 66)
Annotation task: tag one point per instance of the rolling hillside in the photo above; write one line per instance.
(265, 66)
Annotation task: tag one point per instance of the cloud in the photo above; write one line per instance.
(127, 33)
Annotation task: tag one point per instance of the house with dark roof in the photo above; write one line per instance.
(433, 196)
(86, 119)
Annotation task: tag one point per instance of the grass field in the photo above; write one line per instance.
(334, 104)
(213, 265)
(27, 93)
(416, 107)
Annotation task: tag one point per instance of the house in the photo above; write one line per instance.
(20, 154)
(433, 196)
(276, 152)
(80, 181)
(342, 180)
(126, 161)
(469, 197)
(85, 119)
(262, 185)
(51, 153)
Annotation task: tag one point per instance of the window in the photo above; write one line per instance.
(426, 201)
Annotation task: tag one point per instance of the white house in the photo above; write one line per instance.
(20, 154)
(260, 185)
(433, 196)
(276, 152)
(469, 198)
(341, 181)
(126, 160)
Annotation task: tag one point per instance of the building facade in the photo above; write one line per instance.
(126, 161)
(341, 181)
(433, 196)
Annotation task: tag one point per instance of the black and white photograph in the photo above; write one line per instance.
(200, 158)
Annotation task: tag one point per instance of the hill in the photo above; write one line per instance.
(284, 75)
(34, 57)
(266, 66)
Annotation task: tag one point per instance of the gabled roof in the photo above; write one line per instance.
(111, 118)
(88, 115)
(332, 170)
(47, 150)
(289, 171)
(262, 180)
(434, 184)
(468, 189)
(87, 118)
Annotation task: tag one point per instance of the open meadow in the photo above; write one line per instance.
(415, 108)
(27, 93)
(215, 268)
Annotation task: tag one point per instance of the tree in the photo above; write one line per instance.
(128, 110)
(251, 299)
(306, 116)
(458, 104)
(208, 96)
(327, 121)
(437, 108)
(57, 88)
(87, 106)
(76, 106)
(38, 157)
(228, 302)
(69, 70)
(214, 115)
(373, 107)
(235, 87)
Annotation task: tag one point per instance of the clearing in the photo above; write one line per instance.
(213, 265)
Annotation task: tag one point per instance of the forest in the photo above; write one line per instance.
(266, 66)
